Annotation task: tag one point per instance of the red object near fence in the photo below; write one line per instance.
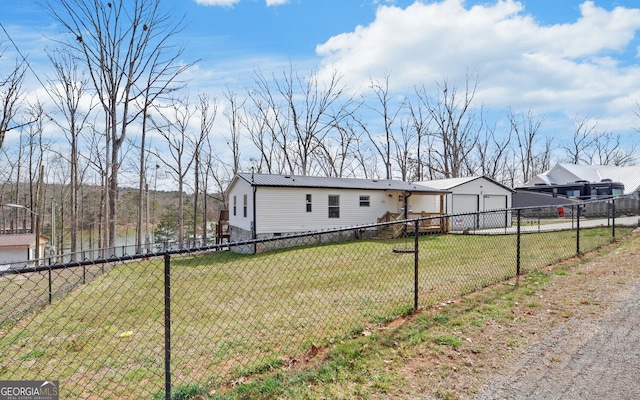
(560, 212)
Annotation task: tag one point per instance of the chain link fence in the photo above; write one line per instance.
(144, 326)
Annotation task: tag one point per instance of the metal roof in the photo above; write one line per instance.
(20, 240)
(333, 183)
(450, 183)
(629, 176)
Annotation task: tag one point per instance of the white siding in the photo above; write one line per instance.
(284, 210)
(15, 254)
(239, 190)
(424, 203)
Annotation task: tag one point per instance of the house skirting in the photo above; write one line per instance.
(274, 241)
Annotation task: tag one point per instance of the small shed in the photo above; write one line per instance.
(17, 250)
(474, 195)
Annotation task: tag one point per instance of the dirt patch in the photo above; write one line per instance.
(573, 337)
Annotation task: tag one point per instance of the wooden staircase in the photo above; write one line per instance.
(222, 227)
(394, 231)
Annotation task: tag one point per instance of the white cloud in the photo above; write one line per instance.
(231, 3)
(519, 62)
(222, 3)
(276, 2)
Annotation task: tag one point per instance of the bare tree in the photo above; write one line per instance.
(269, 129)
(96, 159)
(338, 151)
(68, 90)
(10, 94)
(366, 159)
(608, 150)
(318, 111)
(38, 146)
(420, 124)
(182, 147)
(583, 139)
(388, 111)
(127, 51)
(525, 128)
(455, 127)
(235, 121)
(208, 111)
(492, 154)
(299, 112)
(259, 132)
(403, 146)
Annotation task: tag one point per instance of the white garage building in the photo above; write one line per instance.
(472, 195)
(17, 250)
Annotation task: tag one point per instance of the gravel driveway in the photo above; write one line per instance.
(595, 355)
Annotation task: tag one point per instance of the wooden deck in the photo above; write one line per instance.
(430, 225)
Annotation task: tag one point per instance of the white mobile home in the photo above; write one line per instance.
(472, 195)
(263, 206)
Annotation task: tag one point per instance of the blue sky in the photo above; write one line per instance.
(565, 59)
(233, 35)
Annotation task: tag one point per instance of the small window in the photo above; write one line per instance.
(308, 203)
(235, 203)
(365, 201)
(573, 193)
(334, 206)
(244, 206)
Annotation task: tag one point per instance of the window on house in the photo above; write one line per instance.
(244, 206)
(365, 201)
(235, 203)
(334, 206)
(308, 203)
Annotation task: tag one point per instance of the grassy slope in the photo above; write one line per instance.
(235, 316)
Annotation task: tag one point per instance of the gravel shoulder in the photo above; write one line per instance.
(588, 357)
(580, 341)
(594, 354)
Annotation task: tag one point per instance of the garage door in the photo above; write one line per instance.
(464, 203)
(495, 202)
(495, 220)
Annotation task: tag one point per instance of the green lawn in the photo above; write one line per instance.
(233, 315)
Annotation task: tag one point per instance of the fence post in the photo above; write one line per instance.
(613, 219)
(415, 265)
(167, 326)
(518, 242)
(50, 285)
(578, 208)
